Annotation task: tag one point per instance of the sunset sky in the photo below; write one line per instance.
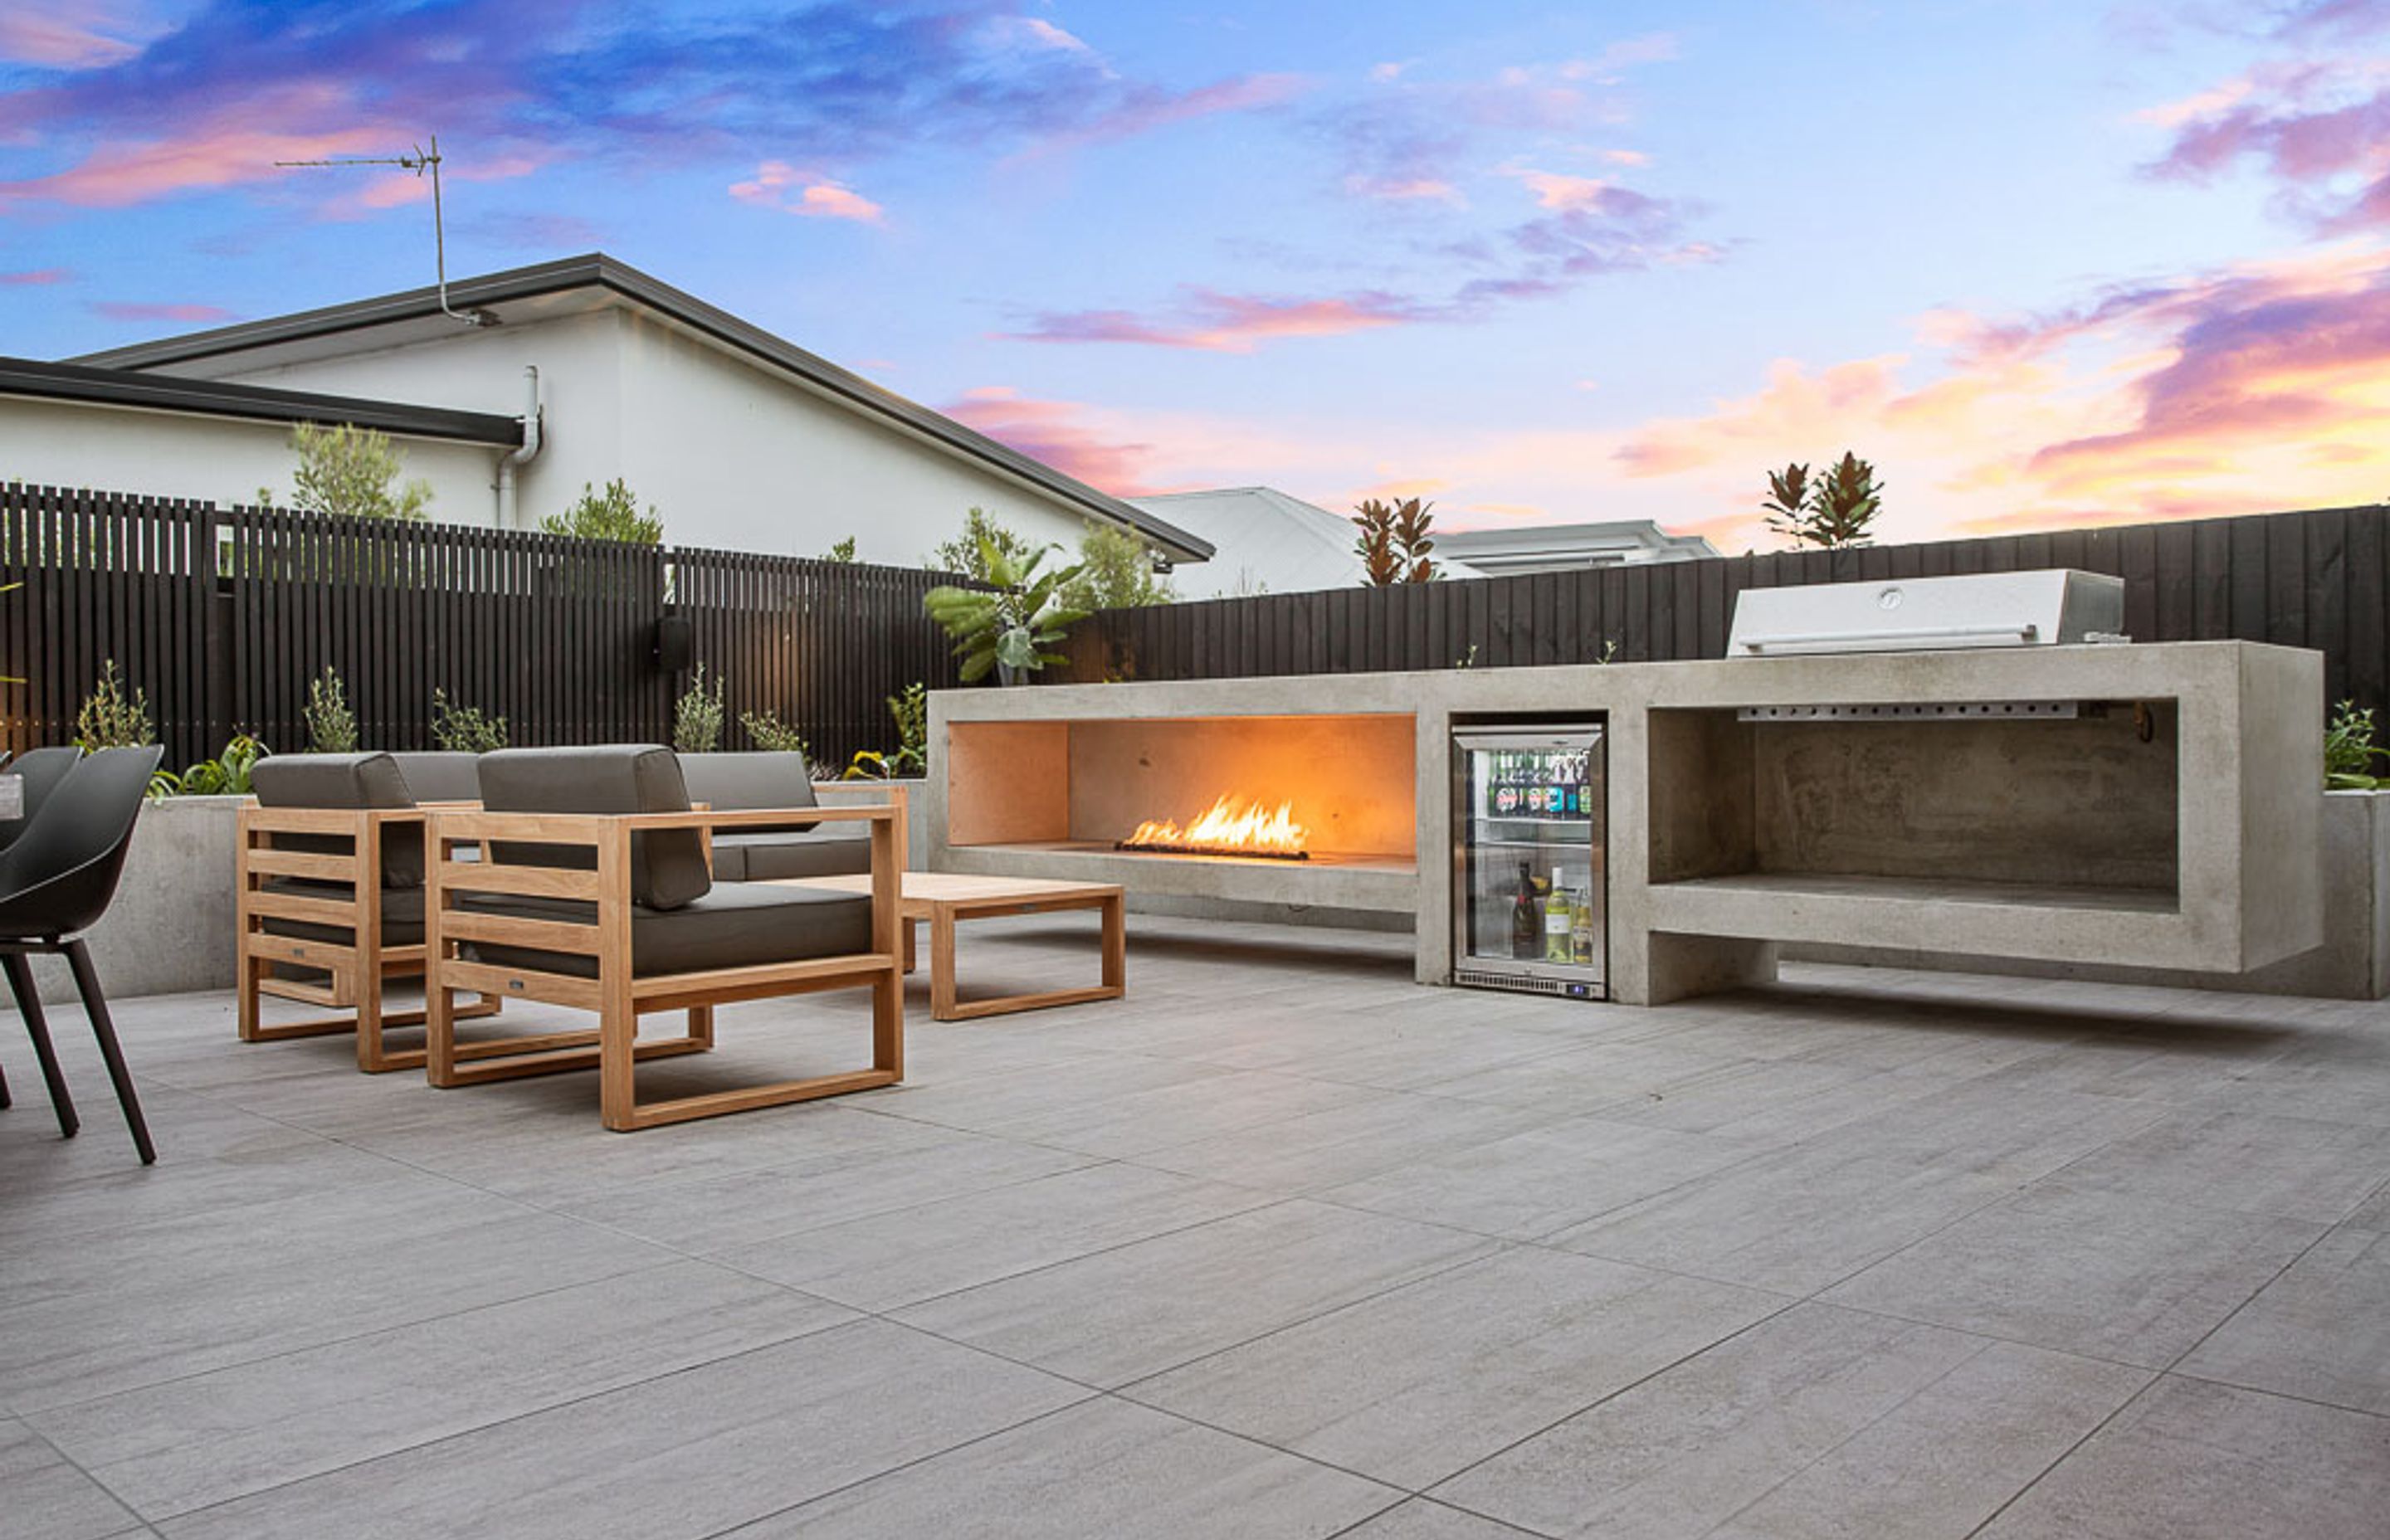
(2045, 262)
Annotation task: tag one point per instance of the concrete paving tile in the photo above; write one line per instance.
(215, 1290)
(2182, 1066)
(1984, 1125)
(1584, 1079)
(1545, 1179)
(2131, 1278)
(1346, 1144)
(684, 1456)
(1760, 1096)
(42, 1496)
(1417, 1383)
(2191, 1459)
(1793, 1223)
(1127, 1314)
(1673, 1458)
(208, 1439)
(1097, 1470)
(1233, 1103)
(2339, 1082)
(896, 1259)
(2320, 1331)
(911, 1165)
(2293, 1168)
(983, 1102)
(1422, 1519)
(1947, 1458)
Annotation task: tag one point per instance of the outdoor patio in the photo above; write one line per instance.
(1282, 1244)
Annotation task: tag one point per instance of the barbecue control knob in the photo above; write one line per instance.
(1889, 600)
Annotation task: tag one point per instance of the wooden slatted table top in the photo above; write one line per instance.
(965, 891)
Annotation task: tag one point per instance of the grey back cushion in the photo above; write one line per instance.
(440, 776)
(350, 781)
(746, 780)
(667, 865)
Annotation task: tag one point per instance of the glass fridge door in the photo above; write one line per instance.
(1533, 902)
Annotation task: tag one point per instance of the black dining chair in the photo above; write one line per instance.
(55, 883)
(40, 769)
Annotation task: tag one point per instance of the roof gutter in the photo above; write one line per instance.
(533, 437)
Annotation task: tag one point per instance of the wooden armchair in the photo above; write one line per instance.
(330, 900)
(592, 892)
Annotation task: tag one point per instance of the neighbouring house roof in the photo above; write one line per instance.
(520, 293)
(1564, 548)
(26, 377)
(1264, 539)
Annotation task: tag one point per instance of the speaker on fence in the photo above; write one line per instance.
(675, 644)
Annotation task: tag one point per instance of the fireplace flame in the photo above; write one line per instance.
(1229, 827)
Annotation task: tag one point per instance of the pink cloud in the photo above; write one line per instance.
(2320, 129)
(35, 278)
(233, 145)
(1213, 321)
(123, 310)
(1051, 431)
(777, 185)
(64, 34)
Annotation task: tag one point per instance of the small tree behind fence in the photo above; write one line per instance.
(224, 617)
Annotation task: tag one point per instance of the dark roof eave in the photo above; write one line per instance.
(596, 268)
(31, 377)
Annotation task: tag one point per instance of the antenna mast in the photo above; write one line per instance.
(419, 162)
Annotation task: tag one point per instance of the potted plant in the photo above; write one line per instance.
(1006, 626)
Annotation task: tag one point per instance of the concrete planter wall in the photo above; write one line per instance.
(2352, 964)
(171, 927)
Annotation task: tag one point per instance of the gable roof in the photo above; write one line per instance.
(493, 292)
(165, 392)
(1270, 537)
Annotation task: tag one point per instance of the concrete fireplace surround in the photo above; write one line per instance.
(2173, 824)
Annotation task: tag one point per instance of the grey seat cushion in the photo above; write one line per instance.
(346, 781)
(733, 925)
(742, 782)
(440, 776)
(831, 850)
(401, 913)
(667, 865)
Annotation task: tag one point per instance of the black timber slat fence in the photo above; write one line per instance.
(2315, 578)
(222, 617)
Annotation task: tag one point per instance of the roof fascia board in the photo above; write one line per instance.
(30, 379)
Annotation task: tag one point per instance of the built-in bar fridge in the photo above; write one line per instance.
(1530, 901)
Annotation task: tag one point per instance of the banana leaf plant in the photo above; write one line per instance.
(1008, 626)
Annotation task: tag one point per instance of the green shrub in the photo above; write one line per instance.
(350, 471)
(1116, 572)
(2349, 750)
(331, 726)
(109, 720)
(773, 735)
(225, 775)
(696, 717)
(613, 514)
(910, 707)
(464, 730)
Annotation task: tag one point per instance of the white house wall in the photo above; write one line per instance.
(732, 455)
(223, 460)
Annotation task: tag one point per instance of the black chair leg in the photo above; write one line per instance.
(37, 1027)
(94, 1005)
(4, 1090)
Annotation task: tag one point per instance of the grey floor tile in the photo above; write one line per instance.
(2320, 1331)
(897, 1258)
(205, 1439)
(685, 1456)
(1423, 1518)
(1345, 1144)
(1794, 1223)
(2134, 1279)
(2193, 1459)
(908, 1165)
(1095, 1471)
(1588, 1079)
(1545, 1179)
(213, 1290)
(1677, 1455)
(1125, 1313)
(1986, 1125)
(1233, 1103)
(42, 1496)
(993, 1100)
(2294, 1168)
(1417, 1383)
(1948, 1458)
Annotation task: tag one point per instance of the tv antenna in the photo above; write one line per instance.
(419, 162)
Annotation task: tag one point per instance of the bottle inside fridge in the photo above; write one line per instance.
(1531, 896)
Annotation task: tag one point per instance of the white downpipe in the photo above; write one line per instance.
(528, 453)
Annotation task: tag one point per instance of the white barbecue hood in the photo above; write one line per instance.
(2057, 606)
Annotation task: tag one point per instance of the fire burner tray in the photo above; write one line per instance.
(1227, 850)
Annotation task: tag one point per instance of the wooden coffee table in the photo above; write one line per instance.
(946, 899)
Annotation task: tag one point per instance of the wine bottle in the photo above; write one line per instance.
(1556, 920)
(1526, 925)
(1581, 929)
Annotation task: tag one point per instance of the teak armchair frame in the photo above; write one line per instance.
(358, 967)
(617, 996)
